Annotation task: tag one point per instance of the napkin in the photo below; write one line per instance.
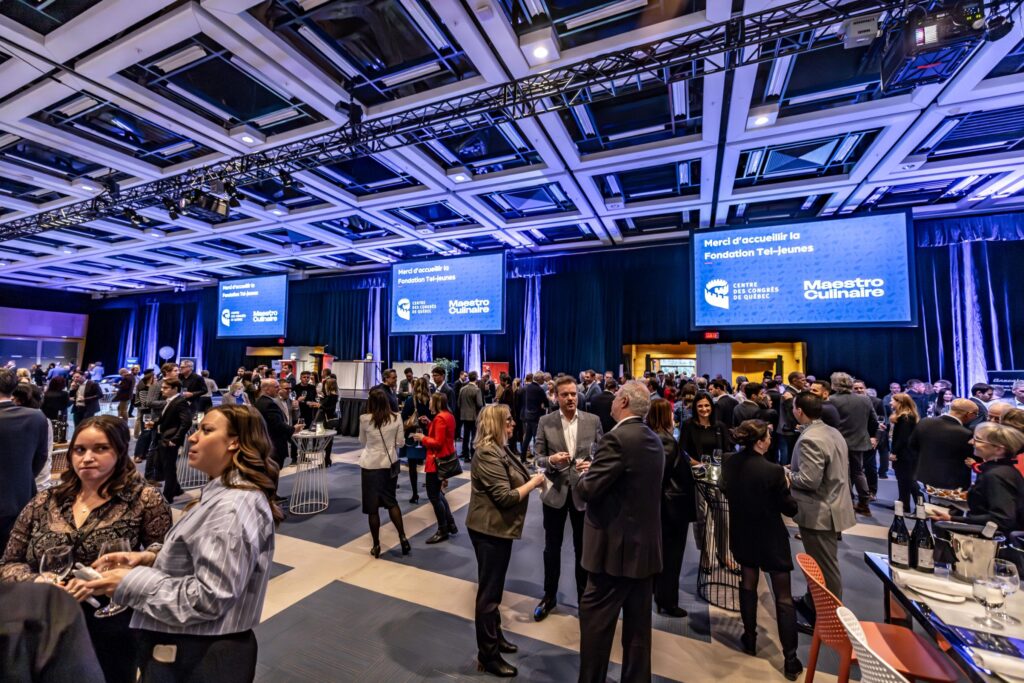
(993, 661)
(913, 579)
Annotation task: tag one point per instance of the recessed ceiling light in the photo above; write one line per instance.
(247, 135)
(541, 52)
(86, 184)
(539, 46)
(68, 250)
(763, 115)
(459, 174)
(761, 120)
(248, 139)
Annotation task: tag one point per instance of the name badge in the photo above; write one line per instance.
(165, 654)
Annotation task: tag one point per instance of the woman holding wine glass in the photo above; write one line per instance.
(100, 503)
(201, 594)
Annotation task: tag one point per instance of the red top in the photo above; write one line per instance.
(440, 440)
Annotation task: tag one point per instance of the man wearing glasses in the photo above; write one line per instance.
(943, 445)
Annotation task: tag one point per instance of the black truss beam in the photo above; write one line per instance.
(740, 41)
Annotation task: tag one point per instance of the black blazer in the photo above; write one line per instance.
(23, 433)
(997, 496)
(622, 490)
(308, 392)
(329, 406)
(197, 385)
(55, 404)
(535, 401)
(278, 428)
(447, 390)
(724, 407)
(92, 397)
(830, 415)
(174, 422)
(601, 405)
(901, 431)
(941, 445)
(679, 494)
(758, 495)
(748, 410)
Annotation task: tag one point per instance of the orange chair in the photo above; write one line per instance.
(912, 655)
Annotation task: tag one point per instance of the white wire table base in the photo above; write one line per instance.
(188, 476)
(309, 494)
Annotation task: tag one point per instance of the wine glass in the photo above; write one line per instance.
(1005, 574)
(56, 563)
(990, 594)
(117, 545)
(301, 424)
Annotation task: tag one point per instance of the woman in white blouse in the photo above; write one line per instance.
(198, 598)
(382, 434)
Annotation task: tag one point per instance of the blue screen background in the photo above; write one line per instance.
(266, 295)
(767, 289)
(423, 307)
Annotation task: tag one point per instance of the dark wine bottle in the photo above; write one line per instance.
(899, 540)
(922, 544)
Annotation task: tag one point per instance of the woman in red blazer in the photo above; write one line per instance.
(439, 442)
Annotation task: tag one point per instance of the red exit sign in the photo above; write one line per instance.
(712, 336)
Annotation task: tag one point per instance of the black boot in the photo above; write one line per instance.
(785, 615)
(748, 612)
(497, 667)
(506, 647)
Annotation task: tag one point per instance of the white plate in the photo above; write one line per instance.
(942, 597)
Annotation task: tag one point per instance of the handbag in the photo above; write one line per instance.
(396, 465)
(448, 466)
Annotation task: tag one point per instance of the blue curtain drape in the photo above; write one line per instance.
(941, 232)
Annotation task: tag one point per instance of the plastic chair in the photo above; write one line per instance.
(907, 652)
(873, 669)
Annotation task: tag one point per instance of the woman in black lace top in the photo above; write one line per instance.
(101, 498)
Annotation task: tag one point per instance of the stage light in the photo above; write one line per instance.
(232, 191)
(171, 207)
(134, 217)
(285, 177)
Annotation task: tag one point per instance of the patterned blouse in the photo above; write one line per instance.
(138, 513)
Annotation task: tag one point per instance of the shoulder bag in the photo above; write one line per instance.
(448, 466)
(396, 465)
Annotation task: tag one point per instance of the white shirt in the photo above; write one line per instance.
(631, 417)
(80, 394)
(569, 428)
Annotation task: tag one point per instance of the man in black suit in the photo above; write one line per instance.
(439, 376)
(171, 427)
(23, 451)
(981, 394)
(601, 405)
(193, 386)
(750, 409)
(724, 403)
(86, 395)
(535, 405)
(942, 444)
(305, 394)
(621, 539)
(822, 388)
(278, 426)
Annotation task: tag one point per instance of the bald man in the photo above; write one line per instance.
(277, 424)
(997, 410)
(943, 444)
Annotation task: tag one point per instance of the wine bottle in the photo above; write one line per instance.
(899, 540)
(922, 544)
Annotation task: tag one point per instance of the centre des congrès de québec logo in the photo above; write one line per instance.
(225, 317)
(404, 309)
(716, 293)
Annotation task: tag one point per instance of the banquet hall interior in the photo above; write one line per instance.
(733, 189)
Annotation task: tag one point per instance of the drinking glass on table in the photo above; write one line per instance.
(56, 563)
(117, 545)
(1005, 574)
(301, 424)
(990, 594)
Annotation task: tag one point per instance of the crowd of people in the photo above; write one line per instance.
(615, 460)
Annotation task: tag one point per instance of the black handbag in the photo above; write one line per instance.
(448, 466)
(396, 464)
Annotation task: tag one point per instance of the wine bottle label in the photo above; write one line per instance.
(925, 558)
(901, 554)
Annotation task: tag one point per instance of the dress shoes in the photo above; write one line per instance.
(544, 608)
(497, 667)
(505, 647)
(437, 538)
(862, 509)
(453, 530)
(676, 612)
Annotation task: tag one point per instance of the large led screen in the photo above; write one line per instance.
(458, 295)
(838, 272)
(252, 307)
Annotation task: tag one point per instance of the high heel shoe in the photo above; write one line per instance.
(749, 642)
(414, 500)
(375, 551)
(406, 547)
(497, 667)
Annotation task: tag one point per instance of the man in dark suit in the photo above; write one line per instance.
(589, 390)
(601, 405)
(822, 388)
(86, 395)
(305, 394)
(535, 404)
(621, 539)
(23, 451)
(471, 402)
(389, 385)
(981, 394)
(439, 377)
(564, 438)
(193, 386)
(749, 409)
(171, 427)
(942, 444)
(278, 426)
(724, 403)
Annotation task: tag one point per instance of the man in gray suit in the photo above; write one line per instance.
(471, 402)
(564, 439)
(23, 451)
(821, 486)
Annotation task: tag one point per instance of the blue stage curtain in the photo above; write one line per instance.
(941, 232)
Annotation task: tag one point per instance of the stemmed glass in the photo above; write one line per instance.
(56, 563)
(117, 545)
(990, 594)
(1004, 574)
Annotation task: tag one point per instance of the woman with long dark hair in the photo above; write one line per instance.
(758, 495)
(203, 592)
(101, 498)
(904, 418)
(380, 432)
(703, 434)
(417, 406)
(440, 443)
(56, 400)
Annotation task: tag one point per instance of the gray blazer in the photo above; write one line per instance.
(821, 479)
(589, 394)
(470, 401)
(857, 421)
(551, 440)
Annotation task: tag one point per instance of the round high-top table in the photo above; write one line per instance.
(718, 576)
(309, 494)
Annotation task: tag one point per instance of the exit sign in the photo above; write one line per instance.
(712, 336)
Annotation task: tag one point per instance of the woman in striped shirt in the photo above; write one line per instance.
(197, 600)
